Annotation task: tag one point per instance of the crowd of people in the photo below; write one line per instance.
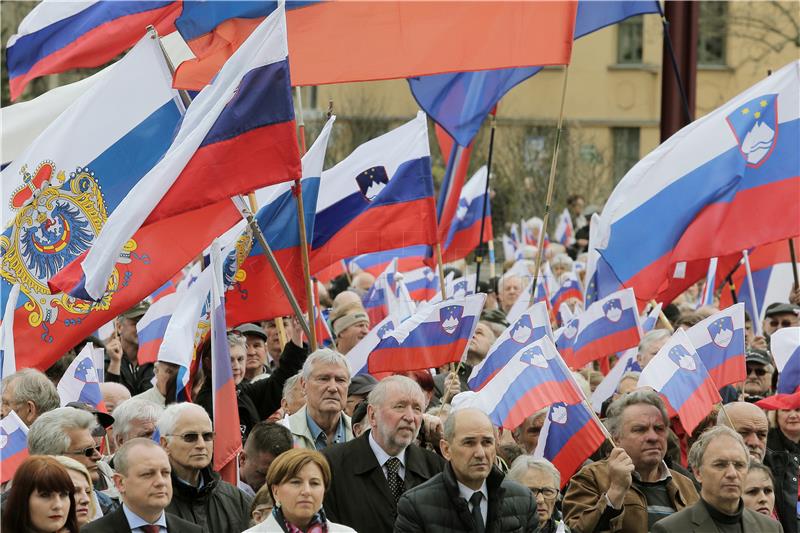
(324, 451)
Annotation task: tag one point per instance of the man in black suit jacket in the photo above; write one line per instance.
(370, 473)
(144, 484)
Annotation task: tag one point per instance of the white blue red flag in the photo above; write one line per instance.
(212, 140)
(435, 335)
(358, 356)
(378, 198)
(564, 233)
(531, 326)
(422, 283)
(650, 319)
(608, 326)
(8, 358)
(533, 378)
(569, 288)
(691, 198)
(606, 388)
(719, 341)
(464, 230)
(13, 445)
(785, 346)
(228, 435)
(570, 435)
(376, 300)
(80, 382)
(58, 36)
(706, 296)
(677, 373)
(153, 325)
(408, 258)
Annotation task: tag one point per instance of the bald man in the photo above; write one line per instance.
(749, 421)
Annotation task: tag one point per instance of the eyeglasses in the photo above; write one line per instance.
(208, 436)
(547, 492)
(88, 452)
(758, 371)
(782, 323)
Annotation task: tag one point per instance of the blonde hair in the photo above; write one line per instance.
(71, 464)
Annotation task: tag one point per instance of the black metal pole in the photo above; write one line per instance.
(479, 254)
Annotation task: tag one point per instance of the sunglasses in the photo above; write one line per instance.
(88, 452)
(758, 371)
(782, 323)
(207, 436)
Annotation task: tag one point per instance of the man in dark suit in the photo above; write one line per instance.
(370, 473)
(144, 484)
(719, 460)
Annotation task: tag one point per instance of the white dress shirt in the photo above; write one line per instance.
(382, 457)
(466, 493)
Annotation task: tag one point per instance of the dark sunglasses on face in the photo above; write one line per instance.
(88, 452)
(758, 371)
(782, 323)
(208, 436)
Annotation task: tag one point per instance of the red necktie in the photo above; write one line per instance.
(150, 528)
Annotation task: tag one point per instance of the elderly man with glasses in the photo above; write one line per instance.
(758, 383)
(199, 495)
(543, 479)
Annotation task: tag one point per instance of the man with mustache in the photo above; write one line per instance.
(471, 494)
(369, 474)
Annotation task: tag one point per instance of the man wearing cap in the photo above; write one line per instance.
(360, 387)
(779, 316)
(350, 324)
(758, 383)
(256, 364)
(122, 351)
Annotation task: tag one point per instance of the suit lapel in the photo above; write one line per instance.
(365, 465)
(702, 520)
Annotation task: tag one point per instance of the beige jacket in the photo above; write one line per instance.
(303, 438)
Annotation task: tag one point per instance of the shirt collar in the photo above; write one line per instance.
(663, 473)
(320, 439)
(380, 453)
(134, 520)
(466, 492)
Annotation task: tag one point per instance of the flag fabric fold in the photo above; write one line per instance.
(13, 445)
(719, 341)
(80, 382)
(464, 233)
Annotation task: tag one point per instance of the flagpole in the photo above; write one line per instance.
(793, 257)
(441, 270)
(479, 255)
(753, 301)
(662, 317)
(551, 182)
(492, 265)
(247, 214)
(301, 221)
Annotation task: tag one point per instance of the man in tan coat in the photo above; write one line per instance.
(632, 489)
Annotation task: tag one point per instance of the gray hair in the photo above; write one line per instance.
(405, 384)
(617, 408)
(698, 449)
(121, 463)
(134, 409)
(449, 431)
(631, 374)
(289, 385)
(236, 340)
(652, 337)
(48, 434)
(324, 356)
(523, 463)
(561, 259)
(30, 385)
(169, 418)
(507, 276)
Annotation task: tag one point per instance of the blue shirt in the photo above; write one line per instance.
(320, 438)
(136, 522)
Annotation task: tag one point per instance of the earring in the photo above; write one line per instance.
(278, 505)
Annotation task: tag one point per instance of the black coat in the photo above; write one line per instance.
(117, 523)
(359, 495)
(436, 506)
(136, 380)
(259, 399)
(217, 506)
(783, 458)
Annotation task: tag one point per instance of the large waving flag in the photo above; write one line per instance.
(678, 374)
(408, 258)
(569, 436)
(378, 198)
(249, 104)
(692, 197)
(80, 180)
(80, 382)
(248, 274)
(534, 377)
(785, 345)
(402, 36)
(58, 36)
(227, 432)
(465, 228)
(528, 328)
(13, 445)
(608, 326)
(719, 340)
(460, 102)
(436, 335)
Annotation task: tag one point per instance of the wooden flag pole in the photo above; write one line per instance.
(550, 182)
(301, 221)
(441, 270)
(793, 257)
(663, 318)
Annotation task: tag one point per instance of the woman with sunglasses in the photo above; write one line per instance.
(40, 499)
(543, 479)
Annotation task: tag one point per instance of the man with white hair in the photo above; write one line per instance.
(113, 395)
(510, 287)
(322, 422)
(29, 394)
(133, 419)
(199, 495)
(650, 344)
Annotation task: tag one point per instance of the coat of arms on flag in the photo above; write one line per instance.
(755, 125)
(613, 309)
(372, 181)
(681, 357)
(450, 317)
(721, 331)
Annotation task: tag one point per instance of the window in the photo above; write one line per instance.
(712, 33)
(629, 41)
(626, 150)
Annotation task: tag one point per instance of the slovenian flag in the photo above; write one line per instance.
(13, 445)
(719, 340)
(80, 382)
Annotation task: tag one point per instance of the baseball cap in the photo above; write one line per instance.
(104, 419)
(251, 329)
(754, 355)
(361, 385)
(137, 311)
(781, 309)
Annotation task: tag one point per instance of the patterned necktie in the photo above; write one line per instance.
(477, 517)
(396, 484)
(150, 528)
